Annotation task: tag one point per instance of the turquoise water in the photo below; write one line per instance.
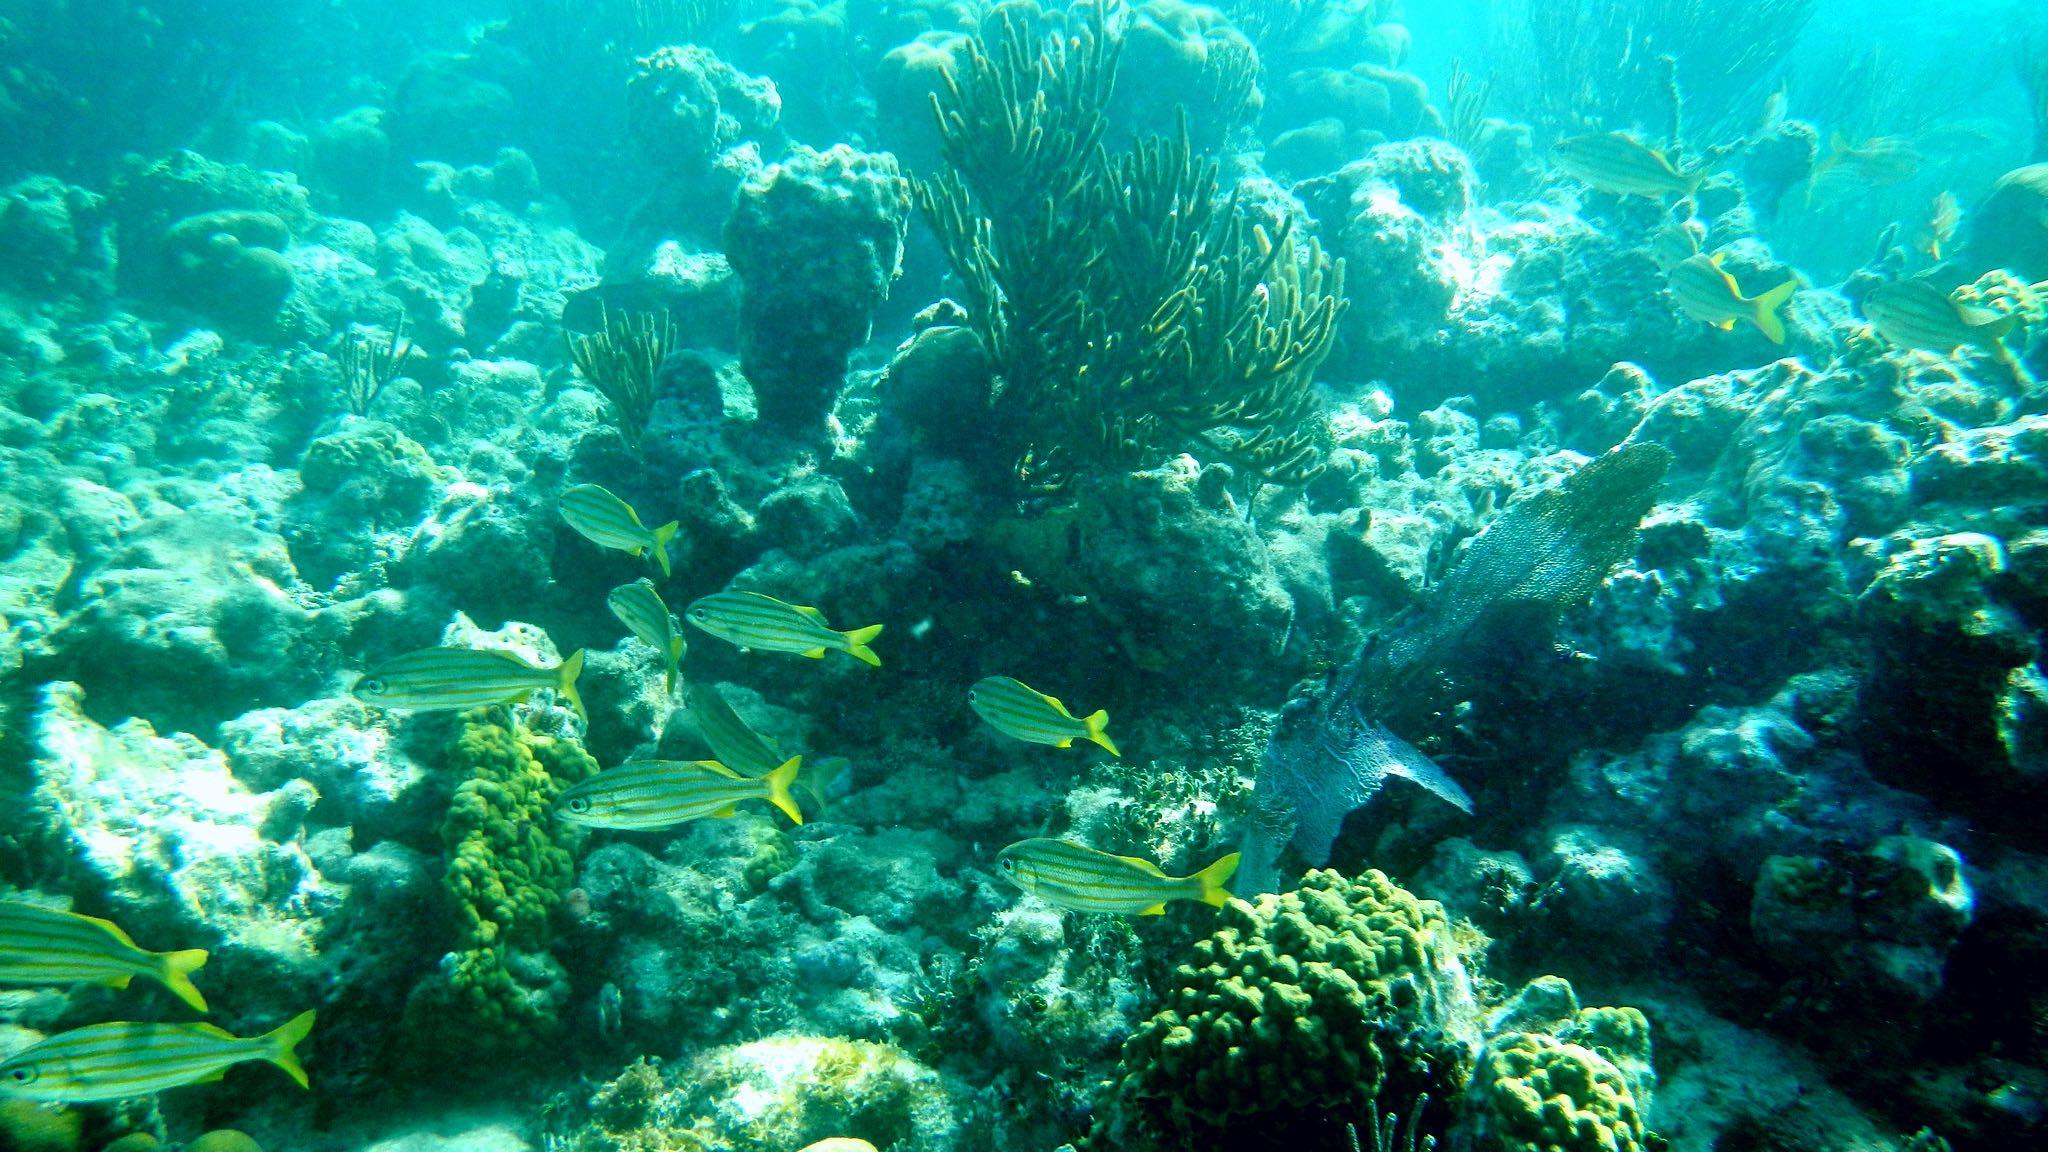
(688, 575)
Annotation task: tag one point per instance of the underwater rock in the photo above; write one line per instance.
(1171, 49)
(1874, 927)
(364, 776)
(179, 847)
(2010, 228)
(840, 215)
(230, 263)
(53, 235)
(1612, 900)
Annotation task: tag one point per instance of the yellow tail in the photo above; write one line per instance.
(662, 536)
(1214, 877)
(676, 648)
(177, 975)
(857, 644)
(778, 788)
(569, 671)
(1098, 723)
(283, 1040)
(1767, 305)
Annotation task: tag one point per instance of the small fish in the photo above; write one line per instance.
(735, 744)
(1621, 165)
(44, 946)
(839, 1144)
(640, 608)
(752, 620)
(1878, 162)
(443, 679)
(1083, 879)
(1940, 227)
(1918, 313)
(1676, 242)
(649, 795)
(1707, 293)
(103, 1062)
(605, 519)
(1014, 708)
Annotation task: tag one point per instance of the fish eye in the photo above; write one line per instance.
(370, 684)
(970, 695)
(23, 1075)
(701, 613)
(579, 805)
(1009, 865)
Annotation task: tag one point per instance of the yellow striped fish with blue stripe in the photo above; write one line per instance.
(1084, 879)
(735, 744)
(103, 1062)
(1621, 165)
(45, 946)
(451, 679)
(640, 608)
(1706, 292)
(1014, 708)
(649, 795)
(763, 623)
(604, 519)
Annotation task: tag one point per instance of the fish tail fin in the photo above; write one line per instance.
(282, 1041)
(570, 670)
(662, 536)
(857, 642)
(177, 975)
(1098, 731)
(1214, 877)
(1767, 305)
(675, 662)
(778, 788)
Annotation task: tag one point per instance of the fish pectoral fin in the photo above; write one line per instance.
(1155, 910)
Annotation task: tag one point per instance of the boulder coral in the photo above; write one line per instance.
(1301, 1005)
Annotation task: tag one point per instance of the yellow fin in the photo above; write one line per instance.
(807, 610)
(778, 788)
(662, 536)
(857, 642)
(1214, 877)
(720, 768)
(815, 653)
(1098, 724)
(1145, 866)
(177, 975)
(1725, 325)
(1767, 305)
(284, 1039)
(1155, 910)
(566, 685)
(727, 811)
(110, 926)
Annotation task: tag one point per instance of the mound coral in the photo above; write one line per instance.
(508, 865)
(1555, 1077)
(1301, 1006)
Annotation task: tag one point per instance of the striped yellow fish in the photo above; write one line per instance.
(441, 679)
(605, 519)
(44, 946)
(1621, 165)
(752, 620)
(1707, 293)
(649, 795)
(1014, 708)
(1919, 313)
(103, 1062)
(735, 744)
(1083, 879)
(641, 609)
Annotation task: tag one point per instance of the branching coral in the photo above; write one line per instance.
(1131, 310)
(368, 366)
(621, 359)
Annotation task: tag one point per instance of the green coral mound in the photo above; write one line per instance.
(509, 862)
(1537, 1093)
(1301, 1006)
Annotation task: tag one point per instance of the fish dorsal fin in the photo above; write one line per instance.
(809, 611)
(112, 928)
(215, 1031)
(1715, 258)
(1053, 702)
(720, 769)
(1145, 866)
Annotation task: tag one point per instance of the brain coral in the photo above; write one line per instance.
(1300, 1006)
(1536, 1093)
